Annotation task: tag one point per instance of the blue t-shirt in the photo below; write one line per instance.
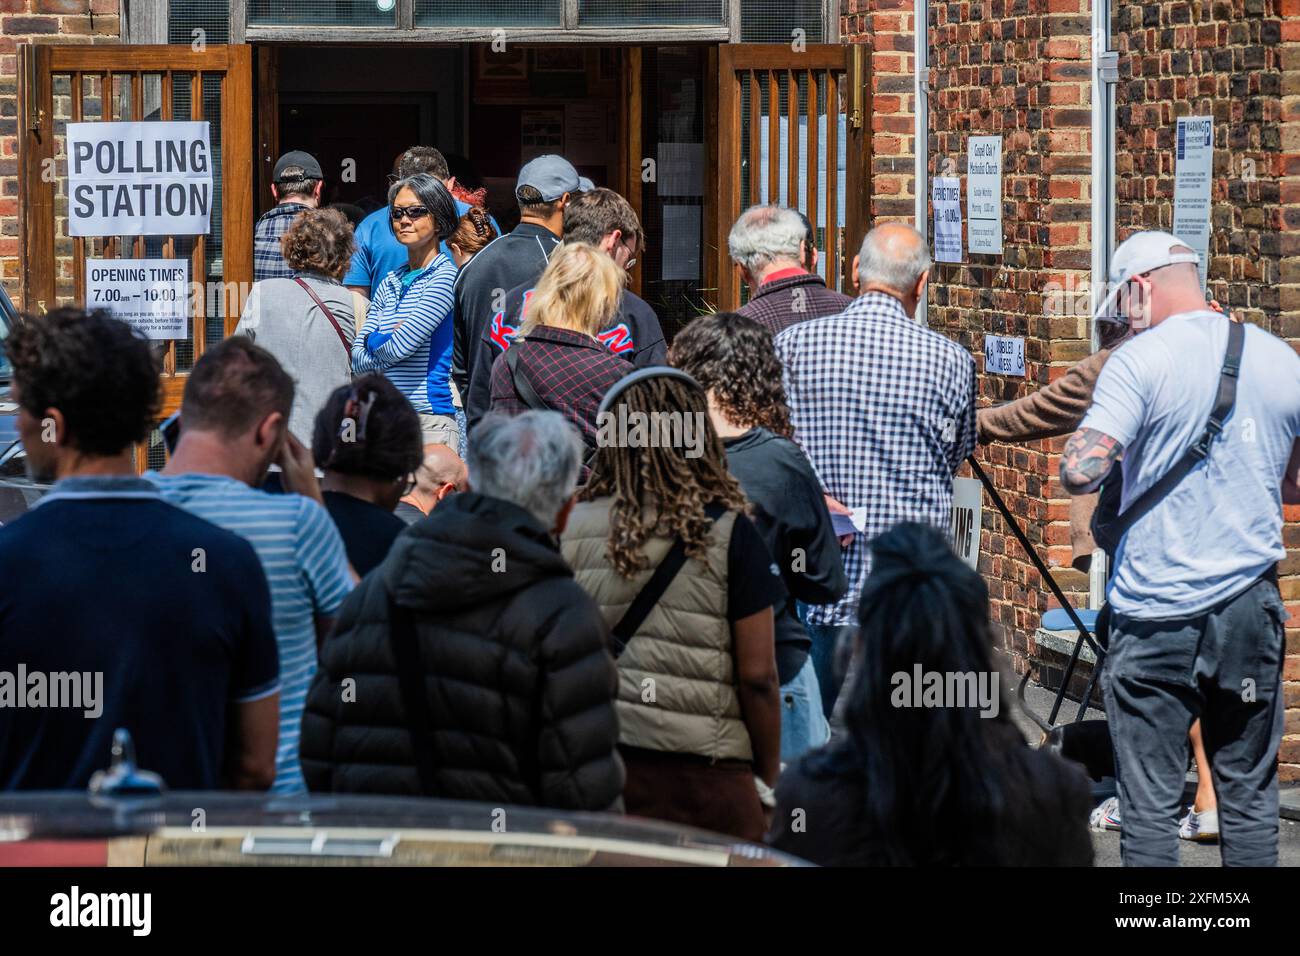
(378, 252)
(165, 618)
(306, 568)
(1221, 527)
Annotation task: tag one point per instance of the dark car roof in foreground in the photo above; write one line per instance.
(248, 828)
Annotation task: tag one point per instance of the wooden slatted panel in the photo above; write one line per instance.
(78, 242)
(810, 200)
(198, 272)
(750, 75)
(169, 243)
(830, 184)
(792, 137)
(139, 73)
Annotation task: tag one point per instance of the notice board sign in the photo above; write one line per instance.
(1193, 170)
(967, 505)
(947, 219)
(150, 294)
(139, 179)
(984, 194)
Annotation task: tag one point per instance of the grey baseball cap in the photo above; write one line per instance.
(306, 161)
(585, 185)
(550, 175)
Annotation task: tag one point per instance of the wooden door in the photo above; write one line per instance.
(63, 84)
(764, 93)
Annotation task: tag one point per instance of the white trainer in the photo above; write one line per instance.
(1203, 827)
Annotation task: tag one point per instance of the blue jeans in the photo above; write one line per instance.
(826, 639)
(803, 725)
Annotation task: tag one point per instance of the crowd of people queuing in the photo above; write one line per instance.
(394, 551)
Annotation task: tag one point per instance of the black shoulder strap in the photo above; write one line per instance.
(410, 676)
(654, 589)
(523, 388)
(1200, 448)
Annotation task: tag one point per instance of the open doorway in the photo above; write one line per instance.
(630, 118)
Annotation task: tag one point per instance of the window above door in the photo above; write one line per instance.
(508, 21)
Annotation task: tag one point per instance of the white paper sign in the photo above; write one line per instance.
(1004, 355)
(967, 505)
(139, 179)
(1192, 176)
(947, 219)
(984, 194)
(150, 294)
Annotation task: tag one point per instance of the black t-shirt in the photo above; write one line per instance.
(164, 619)
(791, 517)
(408, 512)
(368, 531)
(753, 579)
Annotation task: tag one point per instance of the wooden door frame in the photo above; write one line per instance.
(39, 64)
(721, 212)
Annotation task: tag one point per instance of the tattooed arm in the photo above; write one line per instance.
(1088, 456)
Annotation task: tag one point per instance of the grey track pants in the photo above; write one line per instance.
(1224, 666)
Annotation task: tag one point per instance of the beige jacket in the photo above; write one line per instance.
(677, 675)
(1053, 410)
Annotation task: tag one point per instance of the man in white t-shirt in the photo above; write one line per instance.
(1198, 623)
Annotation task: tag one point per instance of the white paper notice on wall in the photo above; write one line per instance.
(947, 219)
(139, 179)
(1004, 355)
(984, 194)
(150, 294)
(1193, 172)
(967, 505)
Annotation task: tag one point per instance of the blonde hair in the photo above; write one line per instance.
(580, 290)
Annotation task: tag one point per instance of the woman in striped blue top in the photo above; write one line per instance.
(408, 332)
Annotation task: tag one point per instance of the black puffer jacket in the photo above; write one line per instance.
(520, 683)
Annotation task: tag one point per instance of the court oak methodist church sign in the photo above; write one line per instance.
(139, 179)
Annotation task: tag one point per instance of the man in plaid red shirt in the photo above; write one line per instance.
(774, 249)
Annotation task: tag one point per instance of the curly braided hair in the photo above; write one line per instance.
(658, 491)
(733, 357)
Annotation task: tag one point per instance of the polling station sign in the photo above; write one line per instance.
(139, 179)
(150, 294)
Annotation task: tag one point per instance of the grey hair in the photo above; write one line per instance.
(764, 234)
(531, 460)
(879, 264)
(433, 196)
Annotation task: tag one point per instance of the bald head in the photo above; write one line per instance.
(441, 466)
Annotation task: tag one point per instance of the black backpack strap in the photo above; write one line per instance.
(1200, 448)
(654, 589)
(415, 703)
(523, 388)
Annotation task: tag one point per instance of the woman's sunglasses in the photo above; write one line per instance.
(409, 212)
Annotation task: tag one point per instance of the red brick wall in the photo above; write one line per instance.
(1020, 68)
(36, 21)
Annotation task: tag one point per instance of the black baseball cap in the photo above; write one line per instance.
(305, 161)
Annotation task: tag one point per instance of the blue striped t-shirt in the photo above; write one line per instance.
(306, 568)
(416, 356)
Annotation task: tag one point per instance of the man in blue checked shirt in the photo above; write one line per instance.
(885, 411)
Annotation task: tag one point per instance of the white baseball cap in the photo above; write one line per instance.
(1140, 253)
